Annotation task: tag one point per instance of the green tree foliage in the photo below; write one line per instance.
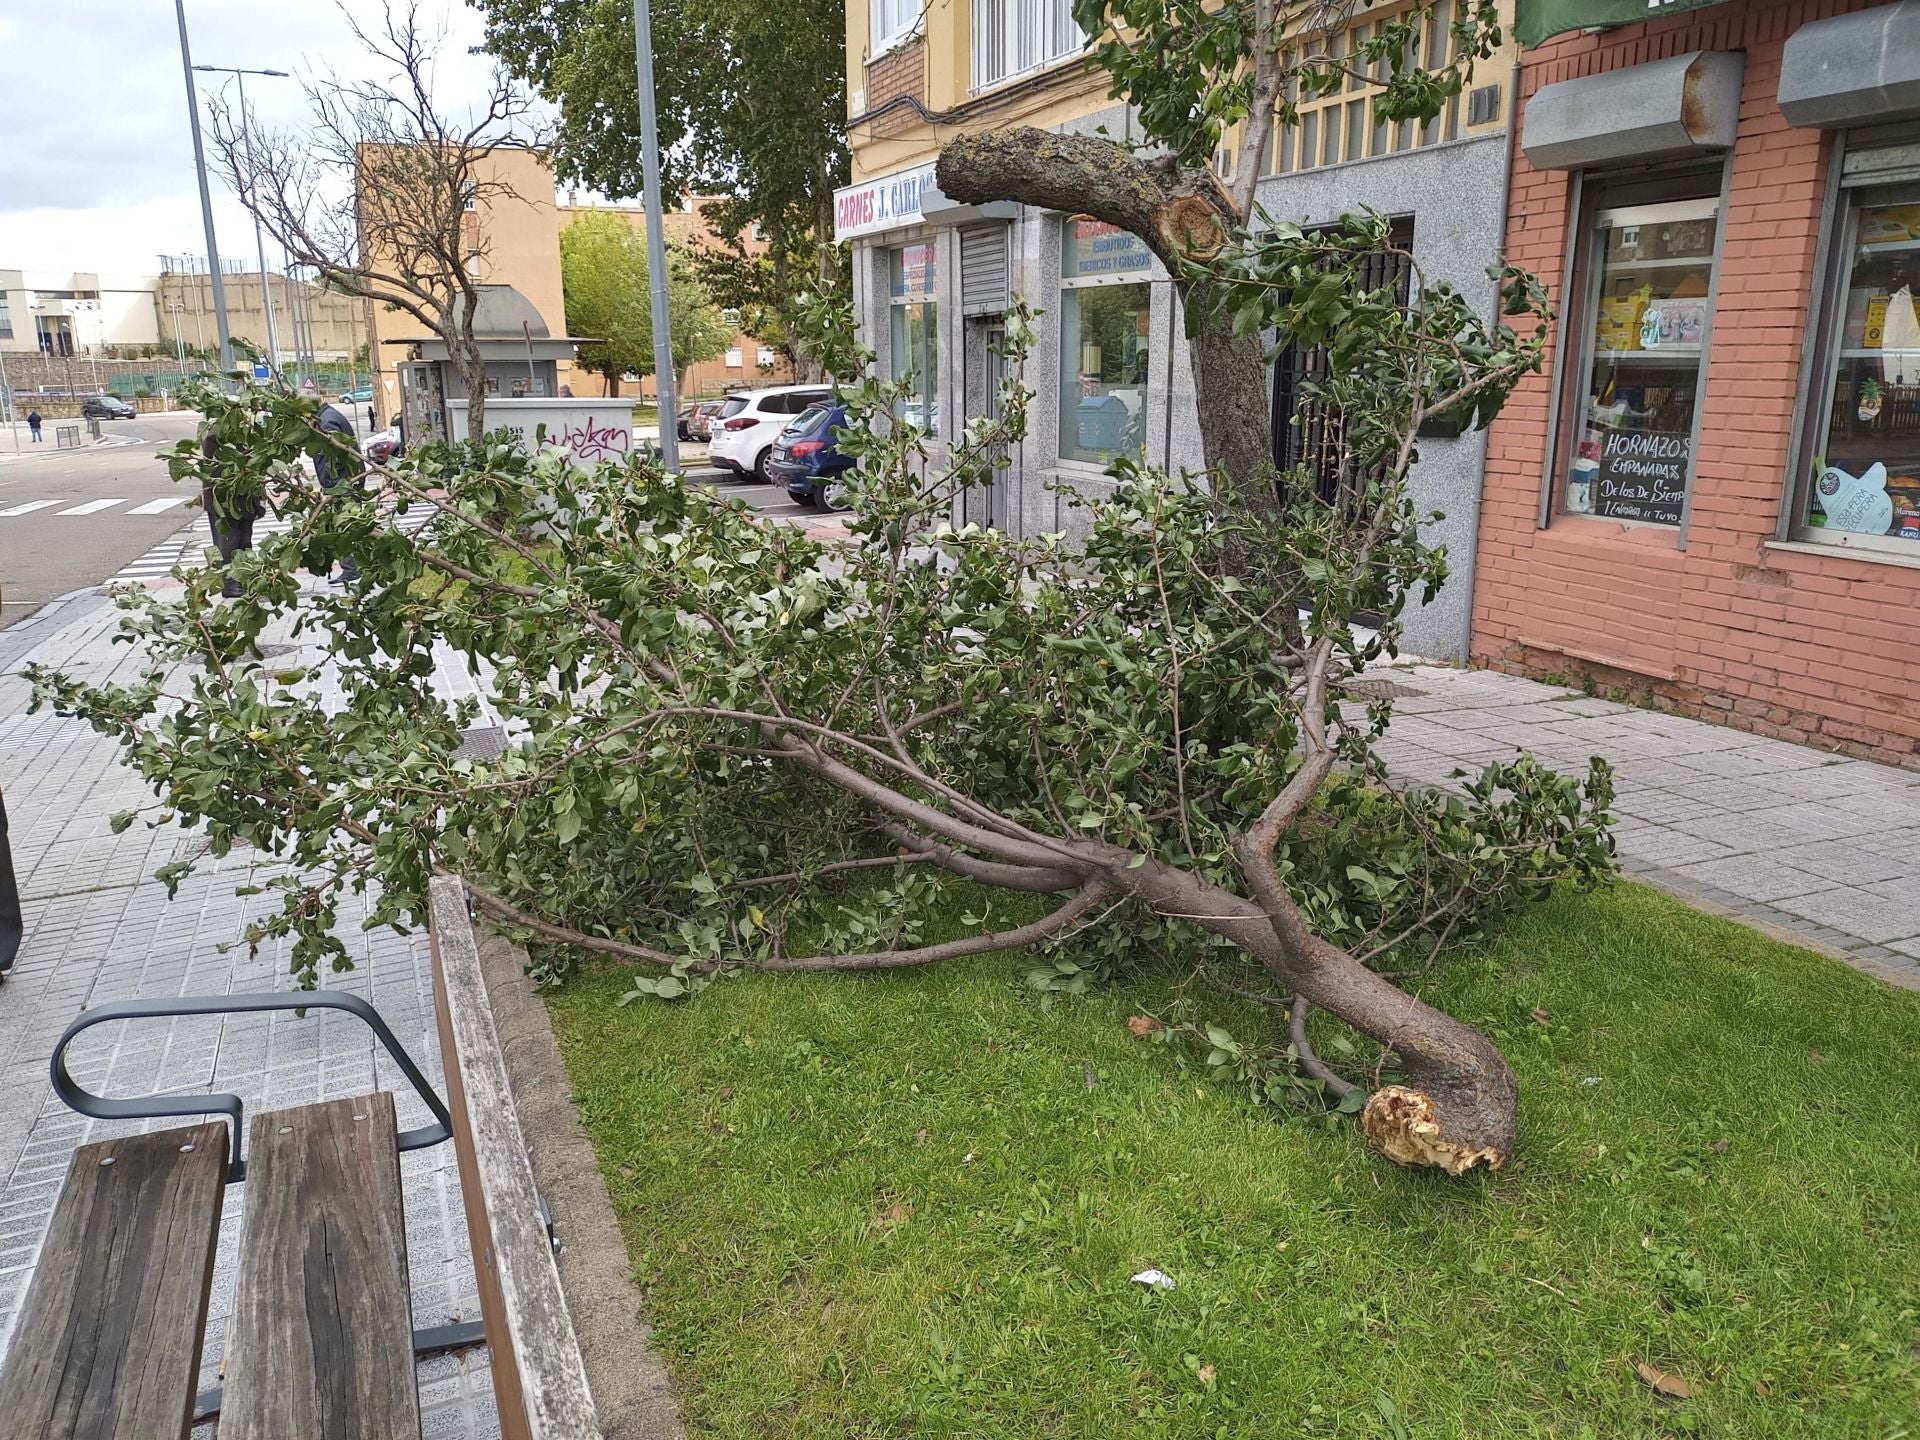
(603, 271)
(751, 97)
(713, 719)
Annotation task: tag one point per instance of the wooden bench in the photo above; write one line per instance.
(320, 1342)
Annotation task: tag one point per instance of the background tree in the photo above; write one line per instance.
(380, 192)
(603, 270)
(751, 97)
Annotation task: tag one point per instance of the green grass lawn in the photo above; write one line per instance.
(909, 1206)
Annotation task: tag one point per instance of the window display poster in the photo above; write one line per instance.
(913, 271)
(1643, 475)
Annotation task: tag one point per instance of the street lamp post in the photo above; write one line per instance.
(179, 345)
(206, 199)
(259, 241)
(663, 373)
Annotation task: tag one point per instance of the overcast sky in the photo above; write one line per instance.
(98, 171)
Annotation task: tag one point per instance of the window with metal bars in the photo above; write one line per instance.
(1012, 37)
(1307, 432)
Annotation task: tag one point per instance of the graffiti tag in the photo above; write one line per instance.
(590, 441)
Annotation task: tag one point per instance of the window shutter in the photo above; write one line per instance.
(984, 288)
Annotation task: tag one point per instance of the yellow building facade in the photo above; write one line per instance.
(1109, 373)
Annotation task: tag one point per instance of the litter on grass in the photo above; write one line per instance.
(1154, 1280)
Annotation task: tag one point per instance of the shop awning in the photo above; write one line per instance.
(1683, 105)
(1537, 20)
(1853, 69)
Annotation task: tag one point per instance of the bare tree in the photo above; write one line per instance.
(383, 194)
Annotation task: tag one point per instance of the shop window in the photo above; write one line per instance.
(1105, 321)
(1865, 472)
(915, 332)
(1643, 325)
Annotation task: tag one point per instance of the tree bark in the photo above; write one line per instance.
(1181, 213)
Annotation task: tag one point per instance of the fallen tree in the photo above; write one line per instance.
(714, 721)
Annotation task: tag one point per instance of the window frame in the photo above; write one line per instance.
(1825, 327)
(1147, 276)
(1008, 22)
(883, 40)
(928, 301)
(1609, 191)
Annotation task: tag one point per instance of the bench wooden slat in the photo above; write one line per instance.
(320, 1345)
(107, 1345)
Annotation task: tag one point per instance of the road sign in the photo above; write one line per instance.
(261, 370)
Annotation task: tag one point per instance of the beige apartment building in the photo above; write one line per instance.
(1110, 373)
(514, 231)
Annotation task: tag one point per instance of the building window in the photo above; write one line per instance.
(1865, 472)
(1647, 304)
(764, 357)
(1011, 37)
(1308, 433)
(733, 358)
(893, 21)
(6, 319)
(1340, 126)
(913, 271)
(1105, 309)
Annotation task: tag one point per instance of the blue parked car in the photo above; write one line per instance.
(806, 460)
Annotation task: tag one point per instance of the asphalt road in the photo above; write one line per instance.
(71, 519)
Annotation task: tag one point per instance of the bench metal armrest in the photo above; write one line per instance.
(102, 1107)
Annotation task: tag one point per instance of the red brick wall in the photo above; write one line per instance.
(901, 71)
(1821, 648)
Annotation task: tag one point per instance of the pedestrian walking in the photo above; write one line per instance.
(337, 463)
(12, 923)
(33, 425)
(229, 517)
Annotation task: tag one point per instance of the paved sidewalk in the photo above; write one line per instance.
(99, 928)
(1822, 848)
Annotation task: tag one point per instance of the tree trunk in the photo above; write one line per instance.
(613, 383)
(1459, 1107)
(1180, 212)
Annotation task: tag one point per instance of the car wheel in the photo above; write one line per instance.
(830, 493)
(760, 467)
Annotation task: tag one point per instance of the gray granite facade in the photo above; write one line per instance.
(1456, 194)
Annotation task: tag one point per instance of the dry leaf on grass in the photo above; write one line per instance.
(1674, 1387)
(1143, 1026)
(1207, 1373)
(1540, 1016)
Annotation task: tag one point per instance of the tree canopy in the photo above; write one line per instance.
(603, 271)
(751, 96)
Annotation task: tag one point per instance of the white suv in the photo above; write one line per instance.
(751, 420)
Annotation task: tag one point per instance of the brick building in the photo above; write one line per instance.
(1712, 498)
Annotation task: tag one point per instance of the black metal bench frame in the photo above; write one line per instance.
(426, 1341)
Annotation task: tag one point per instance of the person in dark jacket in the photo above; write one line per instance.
(338, 464)
(12, 925)
(33, 425)
(230, 520)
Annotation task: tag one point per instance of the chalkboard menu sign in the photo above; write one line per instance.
(1642, 475)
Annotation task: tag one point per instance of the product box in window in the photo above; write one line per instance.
(1616, 326)
(1880, 224)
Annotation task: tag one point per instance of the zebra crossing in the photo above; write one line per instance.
(188, 545)
(98, 507)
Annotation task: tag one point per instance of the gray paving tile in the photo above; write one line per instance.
(1752, 878)
(1877, 919)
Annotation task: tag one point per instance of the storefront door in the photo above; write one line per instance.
(987, 505)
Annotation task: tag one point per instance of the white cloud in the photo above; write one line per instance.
(99, 170)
